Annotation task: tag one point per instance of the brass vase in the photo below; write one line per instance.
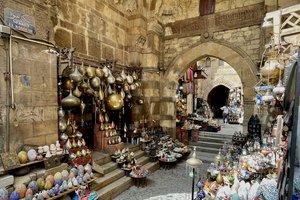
(219, 178)
(76, 76)
(99, 73)
(70, 100)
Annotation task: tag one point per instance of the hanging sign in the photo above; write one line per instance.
(19, 21)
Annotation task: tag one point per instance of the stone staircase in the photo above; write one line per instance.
(209, 143)
(112, 180)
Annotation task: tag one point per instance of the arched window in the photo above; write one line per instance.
(207, 7)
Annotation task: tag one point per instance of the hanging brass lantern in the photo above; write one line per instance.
(115, 102)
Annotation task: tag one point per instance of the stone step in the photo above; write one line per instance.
(152, 166)
(132, 147)
(109, 167)
(139, 154)
(207, 149)
(107, 179)
(143, 160)
(210, 144)
(214, 139)
(115, 188)
(215, 135)
(6, 180)
(206, 157)
(100, 158)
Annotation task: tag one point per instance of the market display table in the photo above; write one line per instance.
(144, 144)
(127, 170)
(167, 163)
(139, 181)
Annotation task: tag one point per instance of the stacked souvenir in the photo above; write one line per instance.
(242, 172)
(39, 153)
(52, 185)
(137, 171)
(166, 148)
(79, 153)
(124, 158)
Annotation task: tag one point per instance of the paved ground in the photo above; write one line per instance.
(171, 184)
(164, 184)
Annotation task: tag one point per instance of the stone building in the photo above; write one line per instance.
(163, 37)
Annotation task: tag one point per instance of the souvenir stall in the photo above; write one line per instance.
(260, 163)
(235, 115)
(56, 170)
(94, 101)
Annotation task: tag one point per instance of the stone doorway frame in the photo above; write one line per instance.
(234, 56)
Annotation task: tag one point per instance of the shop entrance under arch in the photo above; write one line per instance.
(217, 98)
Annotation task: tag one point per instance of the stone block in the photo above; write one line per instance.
(51, 139)
(6, 180)
(240, 39)
(79, 42)
(40, 68)
(38, 83)
(151, 84)
(126, 60)
(107, 52)
(222, 6)
(94, 48)
(154, 109)
(167, 123)
(22, 66)
(150, 60)
(108, 41)
(24, 130)
(62, 38)
(75, 15)
(66, 25)
(52, 85)
(63, 10)
(255, 42)
(119, 55)
(24, 98)
(36, 140)
(50, 113)
(252, 2)
(151, 92)
(42, 98)
(99, 6)
(46, 127)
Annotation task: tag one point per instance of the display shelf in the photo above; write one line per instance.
(69, 190)
(44, 160)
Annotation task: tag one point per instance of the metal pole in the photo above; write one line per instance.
(193, 183)
(33, 41)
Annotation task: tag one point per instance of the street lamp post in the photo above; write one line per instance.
(193, 163)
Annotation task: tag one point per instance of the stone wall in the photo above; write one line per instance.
(217, 75)
(96, 29)
(32, 117)
(248, 39)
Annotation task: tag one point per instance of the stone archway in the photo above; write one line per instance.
(225, 82)
(234, 56)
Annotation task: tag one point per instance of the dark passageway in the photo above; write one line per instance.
(217, 98)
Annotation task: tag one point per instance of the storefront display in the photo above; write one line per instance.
(94, 97)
